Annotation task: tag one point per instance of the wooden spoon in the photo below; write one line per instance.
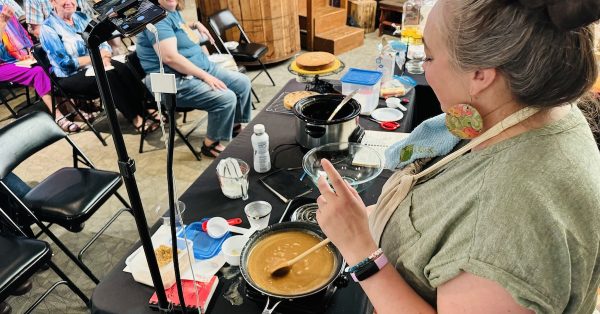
(283, 268)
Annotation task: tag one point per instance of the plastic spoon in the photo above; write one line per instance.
(217, 227)
(344, 101)
(284, 268)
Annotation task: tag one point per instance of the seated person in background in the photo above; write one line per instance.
(69, 57)
(19, 13)
(15, 47)
(36, 11)
(224, 94)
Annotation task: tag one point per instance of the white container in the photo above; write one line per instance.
(232, 249)
(260, 145)
(141, 272)
(368, 83)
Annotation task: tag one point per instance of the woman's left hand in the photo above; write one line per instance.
(204, 32)
(342, 216)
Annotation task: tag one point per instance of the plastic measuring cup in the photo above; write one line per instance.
(217, 227)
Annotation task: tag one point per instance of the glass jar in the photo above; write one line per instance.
(416, 56)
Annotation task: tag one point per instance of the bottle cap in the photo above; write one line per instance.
(259, 129)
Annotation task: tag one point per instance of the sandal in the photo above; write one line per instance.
(90, 117)
(148, 127)
(67, 125)
(237, 129)
(209, 150)
(154, 116)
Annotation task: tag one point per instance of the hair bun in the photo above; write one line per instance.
(568, 14)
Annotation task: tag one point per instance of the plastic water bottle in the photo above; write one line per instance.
(260, 144)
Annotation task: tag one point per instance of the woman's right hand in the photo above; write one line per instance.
(6, 14)
(343, 217)
(214, 82)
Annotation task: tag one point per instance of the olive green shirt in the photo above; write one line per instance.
(524, 213)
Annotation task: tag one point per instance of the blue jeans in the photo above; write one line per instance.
(225, 108)
(10, 207)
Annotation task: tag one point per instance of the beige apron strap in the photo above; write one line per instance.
(399, 185)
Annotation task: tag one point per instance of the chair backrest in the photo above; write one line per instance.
(222, 21)
(41, 57)
(24, 137)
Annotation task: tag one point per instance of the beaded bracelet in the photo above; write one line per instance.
(364, 262)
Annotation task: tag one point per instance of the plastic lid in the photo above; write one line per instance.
(361, 77)
(205, 247)
(259, 129)
(398, 45)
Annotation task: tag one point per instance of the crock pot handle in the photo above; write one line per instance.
(266, 310)
(314, 131)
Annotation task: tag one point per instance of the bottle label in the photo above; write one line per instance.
(262, 147)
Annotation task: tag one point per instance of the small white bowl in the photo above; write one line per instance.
(232, 248)
(231, 45)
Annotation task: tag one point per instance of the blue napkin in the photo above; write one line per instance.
(430, 139)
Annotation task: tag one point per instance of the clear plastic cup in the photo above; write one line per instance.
(258, 214)
(178, 214)
(233, 184)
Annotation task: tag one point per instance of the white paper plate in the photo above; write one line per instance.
(387, 114)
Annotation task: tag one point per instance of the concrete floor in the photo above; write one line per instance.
(151, 179)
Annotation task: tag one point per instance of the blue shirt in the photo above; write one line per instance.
(171, 26)
(63, 44)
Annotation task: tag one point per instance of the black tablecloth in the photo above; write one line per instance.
(119, 293)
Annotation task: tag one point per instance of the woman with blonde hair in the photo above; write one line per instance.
(503, 216)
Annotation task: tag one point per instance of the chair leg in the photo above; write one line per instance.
(185, 117)
(5, 102)
(143, 134)
(188, 144)
(123, 201)
(37, 235)
(196, 126)
(100, 232)
(27, 96)
(265, 69)
(69, 254)
(65, 280)
(255, 96)
(89, 125)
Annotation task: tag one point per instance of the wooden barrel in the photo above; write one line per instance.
(270, 22)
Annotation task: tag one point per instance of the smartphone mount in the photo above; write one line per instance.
(98, 31)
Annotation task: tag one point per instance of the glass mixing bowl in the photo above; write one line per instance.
(358, 164)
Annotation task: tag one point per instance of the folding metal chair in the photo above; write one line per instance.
(246, 51)
(21, 258)
(69, 196)
(42, 59)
